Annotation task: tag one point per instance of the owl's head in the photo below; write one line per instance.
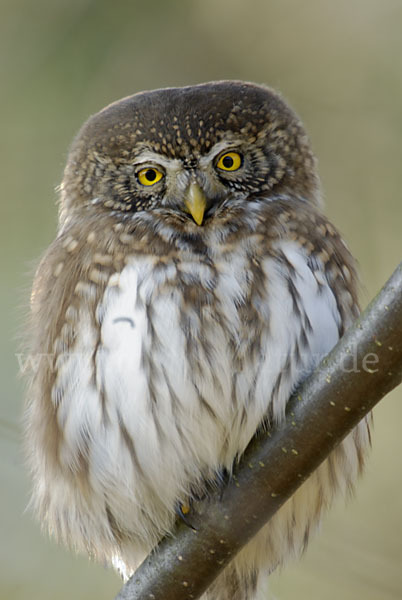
(190, 151)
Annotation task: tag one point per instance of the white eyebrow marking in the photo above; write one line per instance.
(153, 158)
(149, 157)
(217, 149)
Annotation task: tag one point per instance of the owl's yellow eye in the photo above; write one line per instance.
(149, 176)
(230, 161)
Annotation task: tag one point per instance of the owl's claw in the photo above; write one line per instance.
(223, 478)
(183, 511)
(219, 483)
(199, 493)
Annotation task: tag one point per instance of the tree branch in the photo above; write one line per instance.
(364, 366)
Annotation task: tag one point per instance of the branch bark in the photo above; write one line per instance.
(362, 368)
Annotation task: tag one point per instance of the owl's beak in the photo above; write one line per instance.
(195, 202)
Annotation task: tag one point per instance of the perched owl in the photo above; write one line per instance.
(193, 283)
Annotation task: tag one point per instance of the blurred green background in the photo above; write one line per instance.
(340, 66)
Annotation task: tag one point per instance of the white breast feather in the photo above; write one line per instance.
(169, 457)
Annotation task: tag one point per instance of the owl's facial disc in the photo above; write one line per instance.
(192, 185)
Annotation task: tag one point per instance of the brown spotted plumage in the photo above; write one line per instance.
(193, 283)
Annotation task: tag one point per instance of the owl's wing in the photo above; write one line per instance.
(308, 307)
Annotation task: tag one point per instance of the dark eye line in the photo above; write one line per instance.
(228, 151)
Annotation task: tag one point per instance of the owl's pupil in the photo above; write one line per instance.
(150, 175)
(227, 162)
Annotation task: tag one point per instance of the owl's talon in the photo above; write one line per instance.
(219, 483)
(182, 511)
(223, 478)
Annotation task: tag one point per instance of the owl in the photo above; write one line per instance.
(194, 282)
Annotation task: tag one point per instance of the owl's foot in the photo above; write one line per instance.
(201, 492)
(223, 478)
(211, 486)
(219, 483)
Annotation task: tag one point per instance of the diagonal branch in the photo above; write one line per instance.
(363, 367)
